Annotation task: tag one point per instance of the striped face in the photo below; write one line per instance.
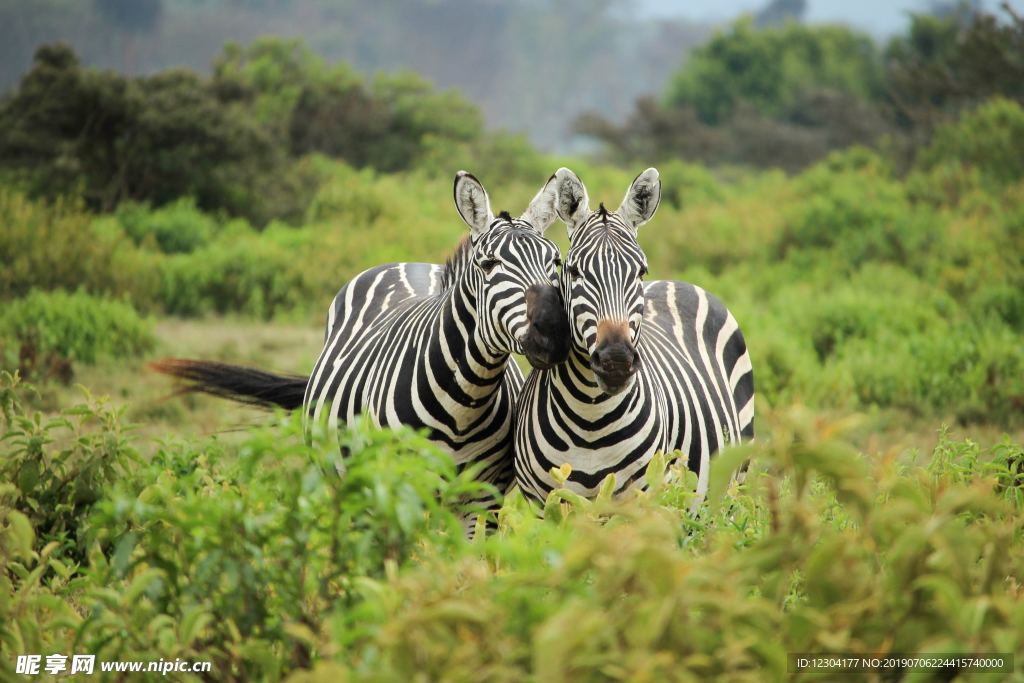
(519, 308)
(515, 275)
(602, 283)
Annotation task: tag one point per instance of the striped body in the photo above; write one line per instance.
(694, 392)
(396, 348)
(428, 347)
(653, 367)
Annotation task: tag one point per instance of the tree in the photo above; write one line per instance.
(772, 68)
(949, 63)
(778, 97)
(71, 130)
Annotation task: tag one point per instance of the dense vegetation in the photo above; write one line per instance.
(823, 269)
(784, 97)
(233, 141)
(514, 57)
(881, 292)
(265, 561)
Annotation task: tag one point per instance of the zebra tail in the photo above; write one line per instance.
(235, 382)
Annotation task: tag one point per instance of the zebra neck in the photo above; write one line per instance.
(577, 380)
(461, 363)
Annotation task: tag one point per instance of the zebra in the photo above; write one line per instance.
(660, 366)
(428, 346)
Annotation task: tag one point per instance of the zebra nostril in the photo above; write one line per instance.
(616, 362)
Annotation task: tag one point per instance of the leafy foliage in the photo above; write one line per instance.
(44, 332)
(949, 63)
(987, 140)
(262, 558)
(628, 590)
(55, 246)
(57, 468)
(236, 556)
(770, 69)
(69, 129)
(787, 96)
(231, 142)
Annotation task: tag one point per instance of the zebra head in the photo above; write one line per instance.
(602, 280)
(514, 273)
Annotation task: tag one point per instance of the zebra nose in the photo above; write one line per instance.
(613, 356)
(546, 339)
(615, 362)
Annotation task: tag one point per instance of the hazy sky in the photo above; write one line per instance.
(881, 17)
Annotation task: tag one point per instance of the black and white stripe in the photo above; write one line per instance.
(660, 366)
(427, 346)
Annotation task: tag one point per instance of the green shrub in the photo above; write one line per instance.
(821, 550)
(969, 372)
(54, 246)
(860, 210)
(57, 468)
(988, 140)
(261, 558)
(45, 328)
(172, 228)
(251, 552)
(257, 275)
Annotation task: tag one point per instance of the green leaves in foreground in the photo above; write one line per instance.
(263, 559)
(822, 549)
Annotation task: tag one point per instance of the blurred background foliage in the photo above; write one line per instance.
(858, 203)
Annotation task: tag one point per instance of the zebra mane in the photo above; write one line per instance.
(456, 263)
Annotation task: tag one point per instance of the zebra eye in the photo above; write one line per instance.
(488, 264)
(572, 270)
(643, 272)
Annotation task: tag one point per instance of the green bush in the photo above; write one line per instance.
(257, 275)
(263, 559)
(173, 228)
(233, 556)
(57, 468)
(989, 139)
(972, 373)
(47, 328)
(860, 210)
(820, 551)
(55, 246)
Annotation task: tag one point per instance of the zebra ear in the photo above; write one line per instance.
(642, 199)
(571, 202)
(542, 211)
(472, 202)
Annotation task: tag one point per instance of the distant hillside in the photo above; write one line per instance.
(531, 65)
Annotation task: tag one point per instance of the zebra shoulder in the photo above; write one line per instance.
(377, 289)
(673, 305)
(667, 299)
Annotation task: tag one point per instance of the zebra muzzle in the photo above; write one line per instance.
(615, 365)
(546, 341)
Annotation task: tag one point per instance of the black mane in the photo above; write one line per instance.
(455, 264)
